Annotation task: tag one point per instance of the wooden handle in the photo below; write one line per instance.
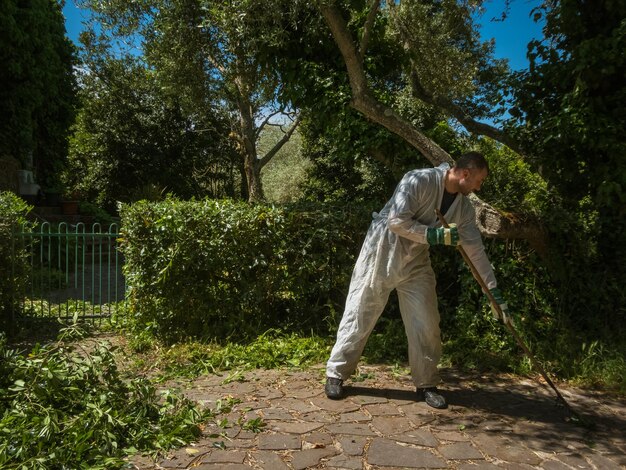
(515, 334)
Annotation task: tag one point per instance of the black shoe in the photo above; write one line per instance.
(433, 398)
(334, 388)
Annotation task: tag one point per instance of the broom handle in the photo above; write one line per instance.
(496, 306)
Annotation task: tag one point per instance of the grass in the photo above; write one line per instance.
(593, 364)
(272, 349)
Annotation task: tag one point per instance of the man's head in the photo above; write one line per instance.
(469, 172)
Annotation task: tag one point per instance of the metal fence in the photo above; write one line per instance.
(75, 271)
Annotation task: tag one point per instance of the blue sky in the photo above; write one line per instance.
(511, 35)
(514, 33)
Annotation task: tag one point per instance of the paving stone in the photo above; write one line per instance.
(311, 457)
(222, 466)
(399, 401)
(250, 414)
(489, 441)
(335, 406)
(602, 462)
(356, 429)
(303, 389)
(268, 393)
(382, 409)
(368, 400)
(236, 388)
(575, 461)
(353, 445)
(318, 439)
(554, 465)
(295, 405)
(418, 413)
(420, 419)
(240, 443)
(478, 466)
(178, 459)
(139, 461)
(518, 466)
(247, 435)
(294, 428)
(345, 461)
(385, 452)
(268, 460)
(448, 424)
(495, 421)
(420, 437)
(320, 416)
(514, 454)
(276, 414)
(355, 417)
(391, 425)
(230, 432)
(495, 426)
(224, 456)
(460, 451)
(545, 444)
(209, 381)
(504, 450)
(279, 442)
(548, 437)
(204, 444)
(453, 436)
(603, 446)
(252, 404)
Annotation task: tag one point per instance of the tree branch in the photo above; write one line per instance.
(367, 28)
(363, 99)
(491, 223)
(269, 155)
(462, 116)
(266, 121)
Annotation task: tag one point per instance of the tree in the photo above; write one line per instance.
(37, 87)
(133, 140)
(571, 102)
(571, 111)
(365, 99)
(209, 48)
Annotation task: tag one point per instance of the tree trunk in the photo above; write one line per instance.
(247, 145)
(253, 177)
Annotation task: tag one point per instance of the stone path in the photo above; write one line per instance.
(493, 422)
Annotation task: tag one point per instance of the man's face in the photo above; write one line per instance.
(472, 180)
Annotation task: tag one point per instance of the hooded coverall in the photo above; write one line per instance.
(395, 255)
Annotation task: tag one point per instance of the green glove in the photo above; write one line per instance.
(443, 236)
(505, 317)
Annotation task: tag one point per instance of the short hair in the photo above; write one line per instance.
(471, 160)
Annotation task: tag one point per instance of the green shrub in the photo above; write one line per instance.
(63, 406)
(217, 269)
(222, 270)
(13, 266)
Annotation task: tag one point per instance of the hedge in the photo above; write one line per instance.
(217, 269)
(13, 266)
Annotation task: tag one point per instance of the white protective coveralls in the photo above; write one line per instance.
(395, 255)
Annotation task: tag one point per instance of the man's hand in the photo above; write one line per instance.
(505, 317)
(443, 236)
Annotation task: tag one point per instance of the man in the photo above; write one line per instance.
(395, 255)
